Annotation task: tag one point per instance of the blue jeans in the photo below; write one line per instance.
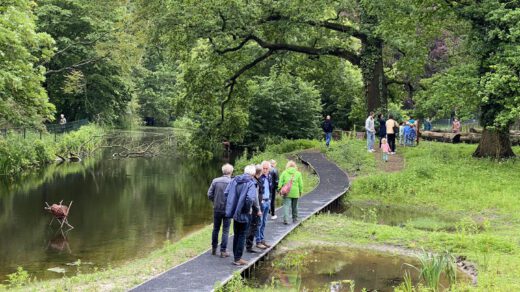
(328, 136)
(266, 205)
(219, 218)
(385, 156)
(239, 239)
(371, 137)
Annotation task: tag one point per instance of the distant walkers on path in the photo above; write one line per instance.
(241, 194)
(274, 179)
(292, 176)
(327, 128)
(217, 196)
(371, 132)
(382, 128)
(391, 129)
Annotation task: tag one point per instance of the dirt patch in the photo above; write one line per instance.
(395, 162)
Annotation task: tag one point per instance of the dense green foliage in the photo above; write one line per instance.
(17, 153)
(84, 78)
(254, 72)
(22, 50)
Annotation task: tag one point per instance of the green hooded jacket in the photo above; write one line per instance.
(297, 186)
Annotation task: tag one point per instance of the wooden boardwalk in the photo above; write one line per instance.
(204, 271)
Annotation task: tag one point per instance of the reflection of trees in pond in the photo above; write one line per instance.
(122, 208)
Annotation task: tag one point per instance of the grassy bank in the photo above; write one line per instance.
(18, 154)
(134, 272)
(480, 197)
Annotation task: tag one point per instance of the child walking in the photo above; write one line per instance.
(386, 149)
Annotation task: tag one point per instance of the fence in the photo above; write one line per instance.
(50, 129)
(445, 124)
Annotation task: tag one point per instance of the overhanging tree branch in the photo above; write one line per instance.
(231, 82)
(75, 66)
(330, 51)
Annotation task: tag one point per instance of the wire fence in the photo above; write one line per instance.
(445, 125)
(55, 130)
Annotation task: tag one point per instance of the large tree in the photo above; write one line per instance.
(89, 76)
(23, 101)
(244, 34)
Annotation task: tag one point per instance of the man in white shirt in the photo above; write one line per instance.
(371, 132)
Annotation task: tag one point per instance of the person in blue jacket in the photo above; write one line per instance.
(241, 194)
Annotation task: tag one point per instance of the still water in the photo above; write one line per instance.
(122, 209)
(337, 269)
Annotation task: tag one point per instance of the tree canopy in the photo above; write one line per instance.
(254, 72)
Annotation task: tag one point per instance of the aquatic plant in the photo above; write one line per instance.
(433, 266)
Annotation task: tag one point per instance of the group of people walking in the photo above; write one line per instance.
(389, 130)
(248, 199)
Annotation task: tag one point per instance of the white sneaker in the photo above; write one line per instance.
(392, 153)
(274, 217)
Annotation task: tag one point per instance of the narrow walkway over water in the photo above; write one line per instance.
(204, 271)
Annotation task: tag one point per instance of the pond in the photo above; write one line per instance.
(122, 209)
(336, 269)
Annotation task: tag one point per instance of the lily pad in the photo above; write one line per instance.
(57, 270)
(79, 263)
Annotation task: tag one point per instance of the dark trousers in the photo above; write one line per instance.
(273, 203)
(391, 141)
(239, 239)
(251, 233)
(219, 218)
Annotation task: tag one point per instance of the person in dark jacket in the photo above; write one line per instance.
(274, 179)
(327, 128)
(241, 194)
(256, 216)
(265, 187)
(216, 195)
(382, 128)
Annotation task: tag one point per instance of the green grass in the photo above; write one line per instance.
(442, 179)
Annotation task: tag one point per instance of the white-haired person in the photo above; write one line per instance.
(241, 195)
(290, 200)
(264, 196)
(217, 196)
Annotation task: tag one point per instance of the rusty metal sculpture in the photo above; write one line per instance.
(60, 213)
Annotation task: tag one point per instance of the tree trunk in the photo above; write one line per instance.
(373, 74)
(494, 144)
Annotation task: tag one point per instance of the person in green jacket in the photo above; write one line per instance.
(290, 201)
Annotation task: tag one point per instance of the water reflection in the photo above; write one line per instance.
(336, 269)
(123, 208)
